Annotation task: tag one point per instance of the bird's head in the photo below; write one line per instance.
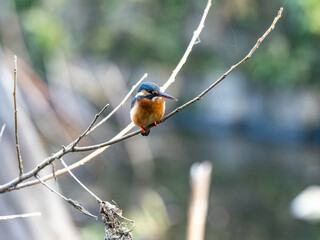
(151, 90)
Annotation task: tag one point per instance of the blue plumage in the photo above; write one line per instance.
(148, 106)
(150, 87)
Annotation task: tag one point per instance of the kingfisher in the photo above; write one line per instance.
(148, 106)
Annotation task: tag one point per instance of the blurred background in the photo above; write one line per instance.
(260, 128)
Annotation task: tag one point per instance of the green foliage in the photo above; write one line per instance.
(93, 231)
(44, 32)
(142, 31)
(24, 4)
(145, 32)
(281, 64)
(308, 15)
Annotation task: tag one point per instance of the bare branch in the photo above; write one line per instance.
(15, 72)
(120, 104)
(81, 184)
(53, 168)
(105, 144)
(75, 204)
(255, 47)
(194, 40)
(90, 126)
(12, 185)
(121, 136)
(24, 215)
(2, 130)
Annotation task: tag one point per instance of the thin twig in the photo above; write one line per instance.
(75, 204)
(108, 143)
(80, 183)
(90, 126)
(53, 168)
(70, 148)
(194, 41)
(120, 136)
(51, 189)
(255, 47)
(12, 185)
(120, 104)
(24, 215)
(2, 130)
(127, 219)
(15, 73)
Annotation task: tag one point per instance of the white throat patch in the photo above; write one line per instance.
(155, 98)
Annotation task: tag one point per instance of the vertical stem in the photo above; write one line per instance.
(16, 116)
(200, 175)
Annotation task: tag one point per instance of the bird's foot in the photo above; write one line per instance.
(142, 130)
(155, 124)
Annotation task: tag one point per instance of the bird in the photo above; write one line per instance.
(148, 106)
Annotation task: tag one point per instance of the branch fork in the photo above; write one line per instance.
(114, 228)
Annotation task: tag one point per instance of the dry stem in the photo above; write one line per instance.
(75, 204)
(15, 72)
(78, 181)
(121, 104)
(90, 126)
(12, 185)
(194, 40)
(24, 215)
(121, 136)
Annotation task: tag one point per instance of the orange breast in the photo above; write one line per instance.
(146, 111)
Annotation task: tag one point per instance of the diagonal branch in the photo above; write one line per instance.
(121, 136)
(90, 126)
(75, 204)
(12, 185)
(15, 71)
(194, 41)
(199, 97)
(120, 104)
(246, 58)
(78, 181)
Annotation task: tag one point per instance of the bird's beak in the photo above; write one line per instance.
(164, 95)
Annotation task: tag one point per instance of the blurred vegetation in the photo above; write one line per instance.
(139, 32)
(253, 180)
